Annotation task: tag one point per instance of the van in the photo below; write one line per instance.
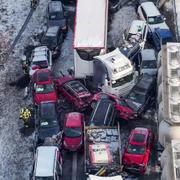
(148, 12)
(47, 164)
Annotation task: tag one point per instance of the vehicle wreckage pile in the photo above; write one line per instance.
(113, 86)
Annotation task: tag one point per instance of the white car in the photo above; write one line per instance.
(148, 62)
(47, 163)
(148, 12)
(41, 58)
(137, 32)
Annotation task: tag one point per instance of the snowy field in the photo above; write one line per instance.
(15, 156)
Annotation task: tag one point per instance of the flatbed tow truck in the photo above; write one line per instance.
(102, 151)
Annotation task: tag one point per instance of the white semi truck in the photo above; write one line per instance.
(168, 103)
(90, 47)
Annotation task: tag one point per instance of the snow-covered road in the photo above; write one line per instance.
(15, 157)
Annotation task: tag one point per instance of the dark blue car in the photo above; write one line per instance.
(161, 36)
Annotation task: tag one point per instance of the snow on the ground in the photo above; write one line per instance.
(12, 16)
(122, 20)
(66, 59)
(15, 156)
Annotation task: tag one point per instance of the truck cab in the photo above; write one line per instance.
(114, 73)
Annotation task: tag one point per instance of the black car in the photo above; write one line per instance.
(104, 112)
(47, 121)
(55, 15)
(142, 94)
(53, 39)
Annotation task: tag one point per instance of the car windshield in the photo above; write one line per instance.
(48, 115)
(56, 16)
(155, 20)
(123, 80)
(48, 123)
(44, 88)
(73, 132)
(43, 64)
(137, 97)
(49, 40)
(44, 178)
(150, 64)
(136, 149)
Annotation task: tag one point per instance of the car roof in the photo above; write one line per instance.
(164, 33)
(150, 9)
(76, 86)
(52, 31)
(55, 6)
(148, 54)
(45, 161)
(139, 135)
(74, 119)
(40, 54)
(137, 26)
(100, 112)
(145, 82)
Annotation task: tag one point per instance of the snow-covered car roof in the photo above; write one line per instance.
(44, 166)
(55, 6)
(52, 31)
(41, 48)
(93, 177)
(148, 54)
(137, 26)
(91, 24)
(39, 58)
(40, 54)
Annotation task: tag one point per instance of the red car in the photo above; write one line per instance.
(75, 92)
(124, 110)
(44, 89)
(137, 152)
(73, 131)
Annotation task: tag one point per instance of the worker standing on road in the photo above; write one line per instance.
(26, 116)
